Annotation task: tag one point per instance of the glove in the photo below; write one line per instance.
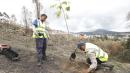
(72, 56)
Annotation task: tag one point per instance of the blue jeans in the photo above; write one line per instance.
(41, 45)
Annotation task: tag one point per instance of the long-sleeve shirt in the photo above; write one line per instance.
(90, 53)
(43, 27)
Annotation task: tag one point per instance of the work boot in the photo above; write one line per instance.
(16, 59)
(99, 67)
(111, 67)
(39, 64)
(44, 57)
(108, 66)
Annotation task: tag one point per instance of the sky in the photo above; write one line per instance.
(85, 15)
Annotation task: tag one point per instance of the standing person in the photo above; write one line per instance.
(40, 34)
(96, 57)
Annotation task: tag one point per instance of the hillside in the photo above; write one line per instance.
(58, 53)
(104, 32)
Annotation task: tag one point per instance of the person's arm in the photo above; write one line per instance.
(34, 25)
(47, 26)
(93, 60)
(33, 28)
(47, 29)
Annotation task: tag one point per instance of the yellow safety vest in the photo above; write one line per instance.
(40, 29)
(100, 54)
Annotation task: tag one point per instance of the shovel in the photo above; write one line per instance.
(73, 55)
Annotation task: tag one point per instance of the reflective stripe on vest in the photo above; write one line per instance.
(101, 55)
(40, 29)
(43, 36)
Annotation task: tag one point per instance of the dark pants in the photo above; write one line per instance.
(101, 64)
(41, 45)
(98, 61)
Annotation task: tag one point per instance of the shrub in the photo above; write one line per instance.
(125, 56)
(110, 46)
(128, 44)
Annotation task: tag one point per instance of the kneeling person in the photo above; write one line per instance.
(96, 56)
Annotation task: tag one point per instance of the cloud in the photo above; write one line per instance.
(85, 15)
(100, 14)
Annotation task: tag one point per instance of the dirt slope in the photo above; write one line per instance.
(58, 53)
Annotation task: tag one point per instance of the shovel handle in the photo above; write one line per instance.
(75, 50)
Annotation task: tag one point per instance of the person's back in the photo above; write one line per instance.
(95, 56)
(91, 47)
(94, 49)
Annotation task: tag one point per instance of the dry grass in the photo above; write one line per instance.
(112, 47)
(59, 50)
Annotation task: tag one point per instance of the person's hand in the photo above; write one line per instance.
(90, 71)
(35, 33)
(48, 36)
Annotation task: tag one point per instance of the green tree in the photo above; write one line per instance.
(125, 56)
(128, 43)
(61, 7)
